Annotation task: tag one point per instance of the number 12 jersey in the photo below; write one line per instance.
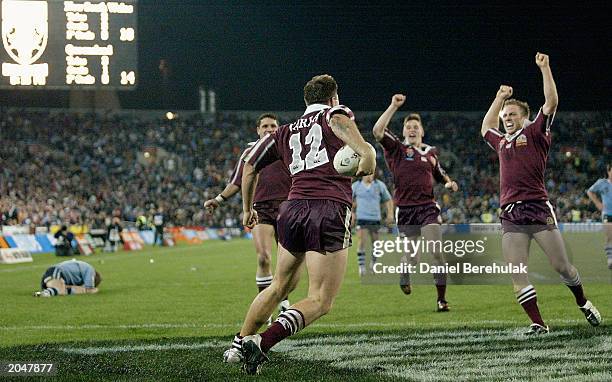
(307, 148)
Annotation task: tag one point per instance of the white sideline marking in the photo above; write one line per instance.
(482, 354)
(127, 348)
(410, 324)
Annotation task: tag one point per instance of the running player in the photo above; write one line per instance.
(603, 188)
(414, 166)
(314, 224)
(526, 211)
(368, 195)
(272, 190)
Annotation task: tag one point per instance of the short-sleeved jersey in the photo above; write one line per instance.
(75, 273)
(603, 187)
(414, 170)
(274, 181)
(368, 198)
(307, 148)
(522, 159)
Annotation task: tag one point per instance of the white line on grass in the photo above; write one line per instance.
(357, 325)
(135, 348)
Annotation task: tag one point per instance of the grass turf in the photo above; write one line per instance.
(173, 317)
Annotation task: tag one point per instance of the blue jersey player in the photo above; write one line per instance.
(601, 195)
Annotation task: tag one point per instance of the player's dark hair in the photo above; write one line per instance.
(320, 89)
(97, 279)
(522, 105)
(413, 117)
(266, 115)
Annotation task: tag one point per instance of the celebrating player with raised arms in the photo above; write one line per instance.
(314, 223)
(603, 189)
(526, 210)
(414, 166)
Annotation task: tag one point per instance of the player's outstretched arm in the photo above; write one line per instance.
(346, 129)
(491, 119)
(550, 88)
(383, 121)
(249, 183)
(229, 191)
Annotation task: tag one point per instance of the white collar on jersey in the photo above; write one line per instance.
(427, 149)
(315, 107)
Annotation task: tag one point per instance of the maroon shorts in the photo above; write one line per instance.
(411, 219)
(319, 225)
(267, 211)
(528, 217)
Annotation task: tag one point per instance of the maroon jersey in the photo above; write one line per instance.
(414, 170)
(522, 159)
(274, 181)
(307, 148)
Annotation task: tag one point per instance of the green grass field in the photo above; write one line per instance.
(171, 319)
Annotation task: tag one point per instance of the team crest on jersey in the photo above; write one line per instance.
(409, 153)
(502, 142)
(521, 140)
(550, 221)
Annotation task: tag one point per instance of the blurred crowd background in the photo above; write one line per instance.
(68, 168)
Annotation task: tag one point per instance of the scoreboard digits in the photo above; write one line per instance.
(68, 44)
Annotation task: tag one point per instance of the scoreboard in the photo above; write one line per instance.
(68, 44)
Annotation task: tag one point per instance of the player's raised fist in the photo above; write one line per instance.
(504, 92)
(541, 60)
(452, 185)
(398, 100)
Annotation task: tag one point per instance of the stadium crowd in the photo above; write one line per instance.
(58, 167)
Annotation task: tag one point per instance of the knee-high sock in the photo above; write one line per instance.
(528, 299)
(288, 323)
(263, 282)
(575, 285)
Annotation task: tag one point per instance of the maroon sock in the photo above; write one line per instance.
(529, 301)
(578, 294)
(288, 323)
(263, 282)
(440, 280)
(575, 285)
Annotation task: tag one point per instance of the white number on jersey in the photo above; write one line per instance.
(314, 158)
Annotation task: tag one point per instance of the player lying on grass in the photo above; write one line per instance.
(414, 166)
(314, 223)
(603, 188)
(526, 211)
(69, 277)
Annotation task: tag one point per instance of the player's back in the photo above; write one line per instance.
(307, 147)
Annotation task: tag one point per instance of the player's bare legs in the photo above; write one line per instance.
(434, 232)
(515, 248)
(608, 231)
(287, 273)
(408, 259)
(325, 275)
(362, 233)
(553, 246)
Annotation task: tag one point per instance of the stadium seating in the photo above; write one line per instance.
(58, 167)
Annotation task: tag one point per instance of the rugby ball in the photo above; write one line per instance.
(346, 161)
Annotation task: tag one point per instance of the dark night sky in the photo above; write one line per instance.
(258, 57)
